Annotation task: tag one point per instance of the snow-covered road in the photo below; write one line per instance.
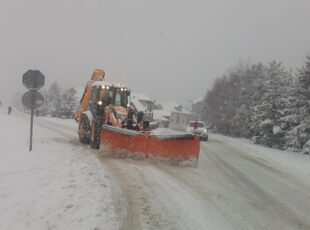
(65, 185)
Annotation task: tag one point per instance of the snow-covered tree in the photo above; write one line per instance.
(303, 128)
(53, 95)
(304, 75)
(263, 103)
(69, 97)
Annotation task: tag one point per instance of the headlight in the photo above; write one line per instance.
(99, 102)
(205, 131)
(105, 87)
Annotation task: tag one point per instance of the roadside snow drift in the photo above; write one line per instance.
(55, 186)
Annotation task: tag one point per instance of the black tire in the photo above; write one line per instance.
(95, 135)
(84, 130)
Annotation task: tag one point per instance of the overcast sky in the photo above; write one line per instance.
(168, 49)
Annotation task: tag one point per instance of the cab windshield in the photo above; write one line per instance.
(118, 98)
(121, 98)
(114, 96)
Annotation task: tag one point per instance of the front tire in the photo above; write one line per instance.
(84, 130)
(95, 135)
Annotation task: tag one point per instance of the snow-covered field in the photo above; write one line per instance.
(56, 186)
(62, 184)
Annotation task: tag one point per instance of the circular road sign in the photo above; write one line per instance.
(34, 95)
(33, 79)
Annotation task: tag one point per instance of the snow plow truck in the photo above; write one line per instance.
(106, 118)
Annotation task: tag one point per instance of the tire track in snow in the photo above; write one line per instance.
(140, 211)
(124, 196)
(188, 181)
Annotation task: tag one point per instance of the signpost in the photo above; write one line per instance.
(33, 80)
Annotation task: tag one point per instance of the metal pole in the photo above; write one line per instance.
(31, 129)
(31, 119)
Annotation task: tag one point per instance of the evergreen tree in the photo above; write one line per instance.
(69, 97)
(304, 75)
(303, 129)
(53, 96)
(262, 103)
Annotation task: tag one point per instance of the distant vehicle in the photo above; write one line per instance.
(199, 128)
(62, 110)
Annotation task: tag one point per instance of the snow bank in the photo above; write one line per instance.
(56, 186)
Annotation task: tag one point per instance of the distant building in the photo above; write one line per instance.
(180, 118)
(163, 114)
(173, 115)
(141, 102)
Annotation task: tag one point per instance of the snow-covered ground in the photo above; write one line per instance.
(56, 186)
(65, 185)
(296, 163)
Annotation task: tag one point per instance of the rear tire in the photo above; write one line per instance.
(95, 135)
(84, 130)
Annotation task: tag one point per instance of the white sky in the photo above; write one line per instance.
(168, 49)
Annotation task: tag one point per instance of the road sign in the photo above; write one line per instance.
(32, 99)
(33, 79)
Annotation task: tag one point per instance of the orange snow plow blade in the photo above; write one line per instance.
(176, 146)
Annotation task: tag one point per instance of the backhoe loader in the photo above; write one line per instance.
(105, 117)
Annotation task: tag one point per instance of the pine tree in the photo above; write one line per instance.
(69, 97)
(53, 96)
(303, 83)
(262, 103)
(304, 75)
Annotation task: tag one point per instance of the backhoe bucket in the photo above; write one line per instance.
(177, 146)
